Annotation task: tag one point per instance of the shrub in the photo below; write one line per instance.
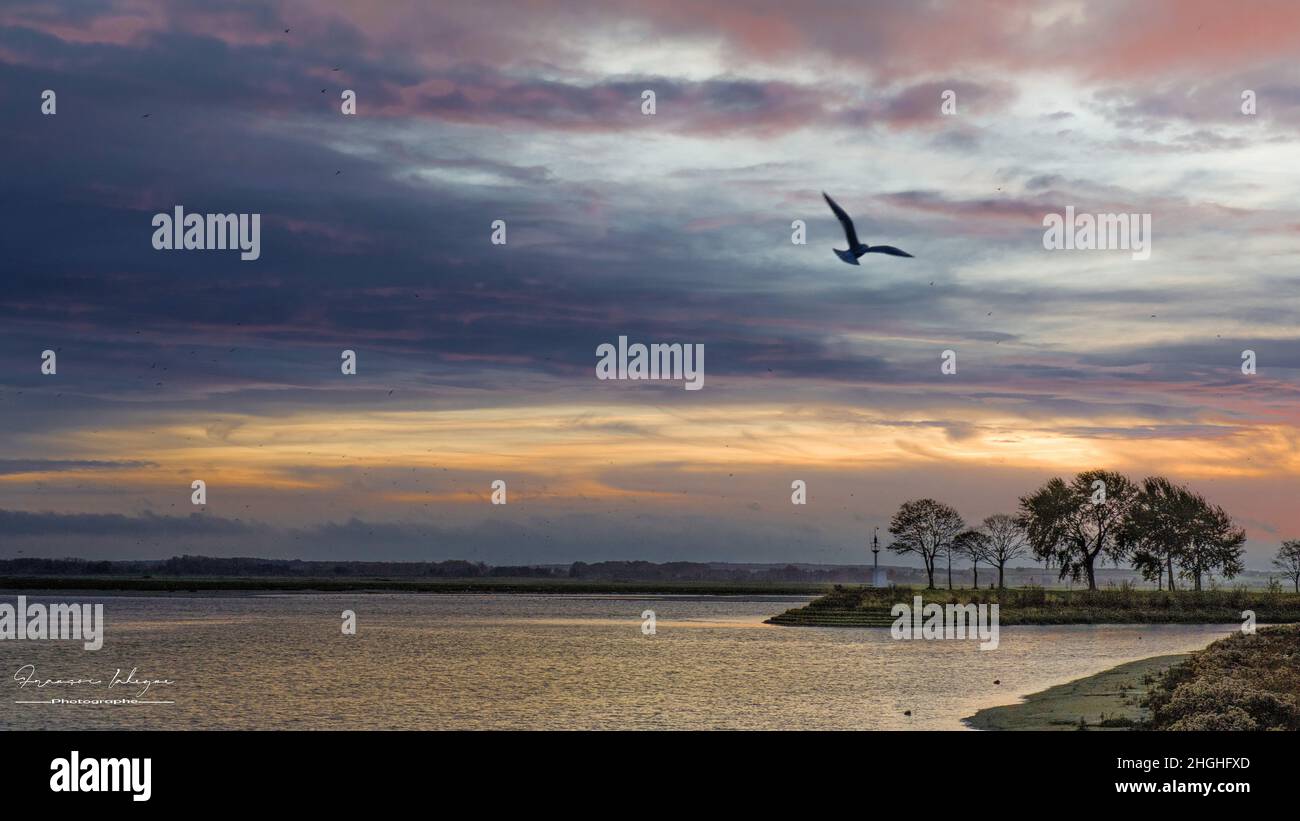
(1233, 718)
(1031, 596)
(1193, 700)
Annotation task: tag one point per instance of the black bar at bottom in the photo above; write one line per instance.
(335, 770)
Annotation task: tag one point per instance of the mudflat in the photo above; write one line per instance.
(1112, 696)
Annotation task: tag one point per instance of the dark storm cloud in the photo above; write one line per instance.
(1219, 355)
(16, 466)
(15, 523)
(486, 96)
(432, 286)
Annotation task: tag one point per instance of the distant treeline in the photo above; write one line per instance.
(196, 566)
(700, 571)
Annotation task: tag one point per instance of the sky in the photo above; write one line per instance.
(477, 361)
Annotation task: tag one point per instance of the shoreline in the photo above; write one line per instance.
(1104, 701)
(879, 607)
(281, 584)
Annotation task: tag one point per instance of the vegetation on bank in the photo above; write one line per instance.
(1123, 604)
(1243, 682)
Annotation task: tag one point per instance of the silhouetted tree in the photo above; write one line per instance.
(1288, 561)
(1169, 524)
(927, 528)
(1158, 527)
(1215, 543)
(1076, 523)
(971, 543)
(1004, 540)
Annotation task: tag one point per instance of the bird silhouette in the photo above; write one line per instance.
(856, 247)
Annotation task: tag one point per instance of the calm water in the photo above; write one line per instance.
(516, 661)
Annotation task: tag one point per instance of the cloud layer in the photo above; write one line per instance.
(476, 361)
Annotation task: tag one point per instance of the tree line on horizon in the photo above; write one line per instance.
(600, 571)
(1163, 529)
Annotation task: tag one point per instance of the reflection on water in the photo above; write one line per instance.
(519, 661)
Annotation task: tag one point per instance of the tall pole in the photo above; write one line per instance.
(875, 556)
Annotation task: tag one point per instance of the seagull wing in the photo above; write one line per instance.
(888, 249)
(849, 231)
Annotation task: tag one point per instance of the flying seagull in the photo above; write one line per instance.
(856, 247)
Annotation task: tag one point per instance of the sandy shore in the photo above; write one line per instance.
(1114, 694)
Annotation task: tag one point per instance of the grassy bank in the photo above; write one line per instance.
(870, 607)
(1111, 700)
(172, 584)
